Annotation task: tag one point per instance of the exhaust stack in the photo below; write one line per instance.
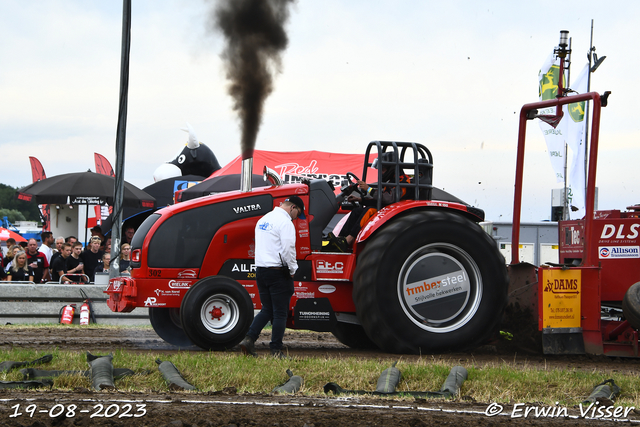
(246, 174)
(271, 176)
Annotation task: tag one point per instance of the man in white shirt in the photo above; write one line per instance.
(276, 264)
(46, 247)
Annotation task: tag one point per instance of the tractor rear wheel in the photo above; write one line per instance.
(166, 323)
(430, 281)
(353, 336)
(631, 305)
(216, 313)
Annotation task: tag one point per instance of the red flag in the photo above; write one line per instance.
(37, 173)
(102, 165)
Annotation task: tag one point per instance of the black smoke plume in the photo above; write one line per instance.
(255, 36)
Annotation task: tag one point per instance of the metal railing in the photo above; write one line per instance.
(26, 302)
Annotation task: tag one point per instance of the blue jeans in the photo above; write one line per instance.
(275, 290)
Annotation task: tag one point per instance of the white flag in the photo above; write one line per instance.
(576, 124)
(554, 137)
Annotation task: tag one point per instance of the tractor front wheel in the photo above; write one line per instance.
(430, 281)
(216, 313)
(166, 323)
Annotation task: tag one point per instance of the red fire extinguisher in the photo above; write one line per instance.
(66, 313)
(85, 311)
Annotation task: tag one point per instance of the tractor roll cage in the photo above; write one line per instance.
(419, 161)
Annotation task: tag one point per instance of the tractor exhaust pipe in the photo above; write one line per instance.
(271, 176)
(246, 174)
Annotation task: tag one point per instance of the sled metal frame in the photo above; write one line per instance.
(598, 336)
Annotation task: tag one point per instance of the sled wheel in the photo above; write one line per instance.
(166, 323)
(631, 305)
(216, 313)
(430, 281)
(353, 336)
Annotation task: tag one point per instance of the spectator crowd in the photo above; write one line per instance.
(63, 259)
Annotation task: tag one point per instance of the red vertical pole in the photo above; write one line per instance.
(591, 180)
(517, 196)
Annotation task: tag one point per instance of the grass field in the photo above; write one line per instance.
(211, 372)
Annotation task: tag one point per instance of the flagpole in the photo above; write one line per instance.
(586, 113)
(565, 204)
(118, 198)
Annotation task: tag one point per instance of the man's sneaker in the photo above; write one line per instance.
(278, 354)
(247, 346)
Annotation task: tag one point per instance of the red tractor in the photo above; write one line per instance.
(423, 276)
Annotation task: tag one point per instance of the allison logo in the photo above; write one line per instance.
(247, 208)
(608, 252)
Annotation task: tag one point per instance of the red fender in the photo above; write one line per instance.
(388, 212)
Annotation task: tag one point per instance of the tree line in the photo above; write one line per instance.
(14, 209)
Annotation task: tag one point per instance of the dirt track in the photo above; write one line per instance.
(229, 408)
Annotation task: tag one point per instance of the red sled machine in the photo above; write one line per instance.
(590, 301)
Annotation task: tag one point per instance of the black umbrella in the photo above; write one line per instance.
(220, 184)
(162, 191)
(83, 188)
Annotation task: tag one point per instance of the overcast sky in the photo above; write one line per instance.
(452, 75)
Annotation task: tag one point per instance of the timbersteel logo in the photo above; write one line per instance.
(437, 283)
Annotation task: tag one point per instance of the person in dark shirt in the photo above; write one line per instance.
(103, 267)
(75, 267)
(362, 214)
(125, 257)
(92, 257)
(11, 243)
(59, 265)
(128, 234)
(59, 242)
(7, 262)
(20, 271)
(38, 262)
